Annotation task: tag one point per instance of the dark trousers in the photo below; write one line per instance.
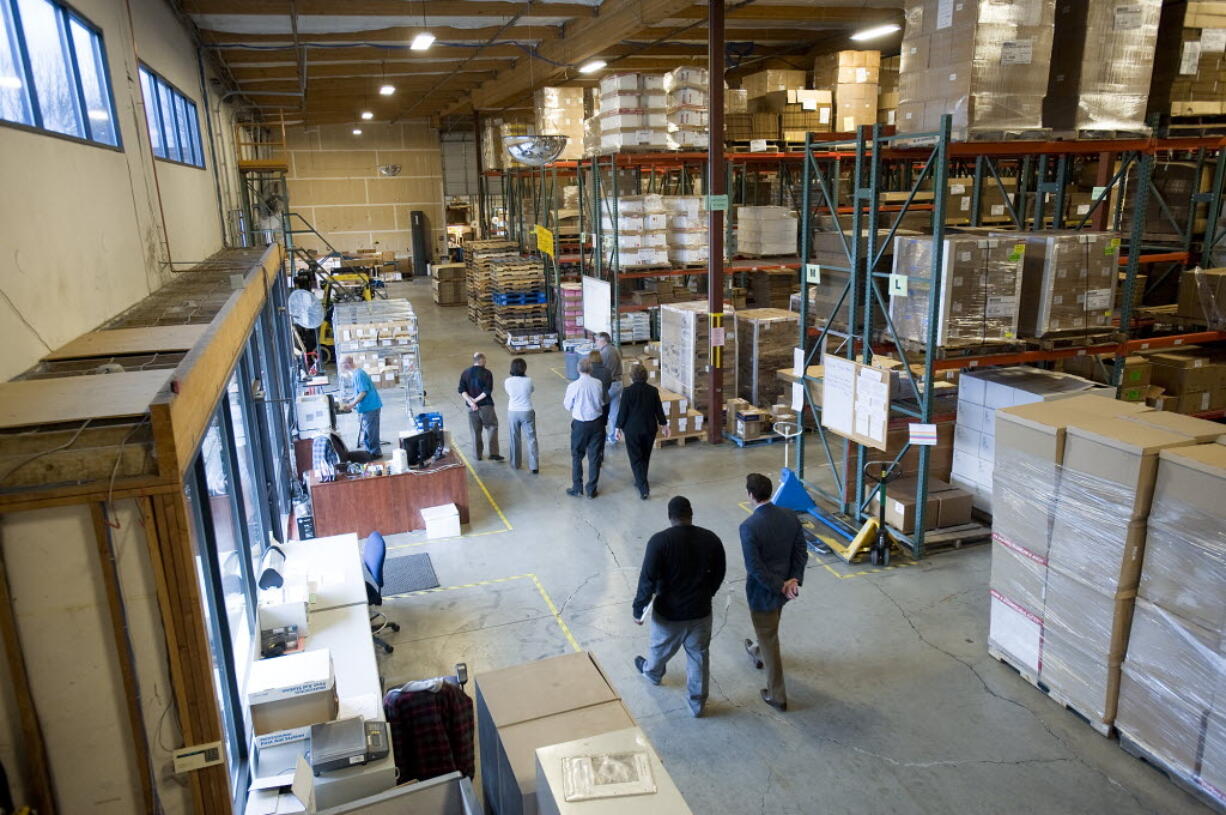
(638, 448)
(586, 438)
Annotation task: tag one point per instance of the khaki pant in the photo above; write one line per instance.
(485, 418)
(766, 626)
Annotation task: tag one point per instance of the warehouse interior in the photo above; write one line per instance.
(951, 276)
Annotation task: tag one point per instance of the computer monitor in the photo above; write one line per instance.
(421, 447)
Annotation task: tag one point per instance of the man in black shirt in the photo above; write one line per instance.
(476, 388)
(683, 568)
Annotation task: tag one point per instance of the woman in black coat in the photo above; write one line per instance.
(638, 418)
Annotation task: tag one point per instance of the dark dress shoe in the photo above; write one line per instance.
(753, 660)
(497, 458)
(574, 493)
(779, 706)
(536, 472)
(592, 494)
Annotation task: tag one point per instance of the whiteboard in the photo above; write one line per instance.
(597, 305)
(856, 401)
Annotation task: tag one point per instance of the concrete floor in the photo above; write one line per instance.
(894, 704)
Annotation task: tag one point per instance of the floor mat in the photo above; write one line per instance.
(408, 573)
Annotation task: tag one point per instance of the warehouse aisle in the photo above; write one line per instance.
(894, 704)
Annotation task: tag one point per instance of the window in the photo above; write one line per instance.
(53, 72)
(174, 126)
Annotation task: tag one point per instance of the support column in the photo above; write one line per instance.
(717, 189)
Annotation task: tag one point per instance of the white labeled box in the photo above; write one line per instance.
(292, 691)
(442, 521)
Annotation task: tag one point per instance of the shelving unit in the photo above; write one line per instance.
(882, 164)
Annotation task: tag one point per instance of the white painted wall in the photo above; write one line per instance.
(82, 234)
(64, 626)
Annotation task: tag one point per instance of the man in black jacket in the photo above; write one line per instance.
(683, 568)
(476, 389)
(639, 416)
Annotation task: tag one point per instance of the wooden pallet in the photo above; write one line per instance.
(1058, 342)
(955, 537)
(1214, 799)
(680, 439)
(758, 442)
(1104, 729)
(958, 349)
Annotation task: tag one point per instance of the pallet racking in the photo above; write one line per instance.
(906, 166)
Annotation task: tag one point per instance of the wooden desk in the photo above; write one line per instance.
(389, 503)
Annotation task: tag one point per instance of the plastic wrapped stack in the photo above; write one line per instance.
(685, 351)
(1068, 281)
(687, 229)
(1101, 66)
(1195, 83)
(633, 111)
(571, 296)
(985, 63)
(980, 395)
(1173, 684)
(381, 337)
(766, 231)
(686, 102)
(638, 236)
(765, 340)
(559, 112)
(981, 281)
(1104, 526)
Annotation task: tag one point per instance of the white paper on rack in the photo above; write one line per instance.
(838, 394)
(798, 361)
(798, 397)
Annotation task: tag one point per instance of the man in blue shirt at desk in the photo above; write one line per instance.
(775, 557)
(367, 403)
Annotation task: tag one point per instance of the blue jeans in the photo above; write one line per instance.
(695, 636)
(368, 432)
(615, 400)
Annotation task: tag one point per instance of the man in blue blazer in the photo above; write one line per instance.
(775, 557)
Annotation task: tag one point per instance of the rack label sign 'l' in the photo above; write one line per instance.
(717, 203)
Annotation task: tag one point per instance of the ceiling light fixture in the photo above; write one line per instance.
(357, 131)
(876, 31)
(422, 41)
(592, 66)
(387, 90)
(366, 114)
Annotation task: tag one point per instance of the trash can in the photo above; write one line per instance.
(572, 365)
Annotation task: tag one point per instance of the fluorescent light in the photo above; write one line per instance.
(366, 114)
(877, 31)
(387, 90)
(99, 115)
(357, 131)
(592, 66)
(10, 82)
(422, 41)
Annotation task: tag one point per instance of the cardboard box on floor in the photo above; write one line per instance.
(535, 705)
(943, 505)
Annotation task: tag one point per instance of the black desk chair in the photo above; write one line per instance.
(374, 553)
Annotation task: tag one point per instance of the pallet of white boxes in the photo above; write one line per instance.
(1108, 587)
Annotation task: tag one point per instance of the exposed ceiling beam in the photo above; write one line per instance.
(246, 73)
(823, 14)
(699, 33)
(401, 34)
(238, 55)
(386, 8)
(363, 85)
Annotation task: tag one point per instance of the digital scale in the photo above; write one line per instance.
(347, 743)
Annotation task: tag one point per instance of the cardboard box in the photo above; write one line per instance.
(533, 705)
(1213, 765)
(1180, 372)
(1202, 296)
(442, 521)
(1159, 721)
(1020, 575)
(1201, 430)
(1185, 567)
(291, 691)
(1068, 281)
(1015, 631)
(773, 80)
(953, 507)
(901, 505)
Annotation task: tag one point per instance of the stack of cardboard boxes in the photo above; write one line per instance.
(1172, 699)
(855, 78)
(944, 505)
(772, 288)
(766, 94)
(887, 95)
(1193, 82)
(571, 296)
(1202, 297)
(765, 339)
(381, 336)
(447, 283)
(980, 395)
(1187, 381)
(983, 62)
(684, 417)
(1076, 503)
(638, 233)
(559, 112)
(687, 235)
(633, 111)
(685, 351)
(766, 231)
(1102, 61)
(980, 285)
(1068, 281)
(686, 106)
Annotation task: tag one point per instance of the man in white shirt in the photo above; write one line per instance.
(612, 359)
(585, 400)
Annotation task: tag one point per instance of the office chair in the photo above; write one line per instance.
(373, 555)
